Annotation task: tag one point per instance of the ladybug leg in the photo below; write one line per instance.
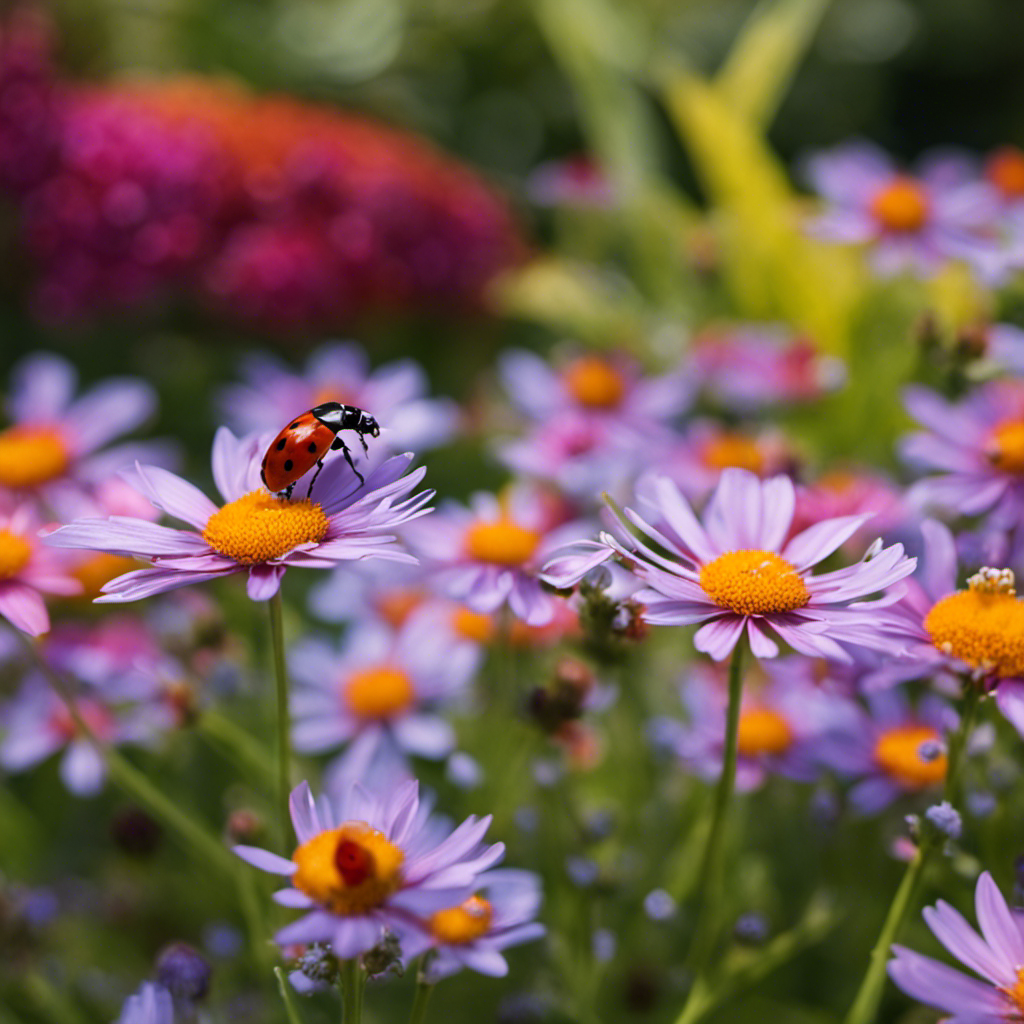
(362, 441)
(288, 491)
(319, 466)
(338, 443)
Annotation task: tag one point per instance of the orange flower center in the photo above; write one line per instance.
(754, 582)
(501, 541)
(982, 626)
(1005, 169)
(733, 450)
(350, 870)
(464, 923)
(763, 732)
(1005, 446)
(30, 456)
(395, 606)
(15, 553)
(595, 383)
(380, 692)
(901, 206)
(259, 527)
(1016, 992)
(898, 754)
(475, 626)
(98, 570)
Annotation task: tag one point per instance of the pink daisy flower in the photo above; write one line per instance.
(27, 571)
(475, 933)
(736, 573)
(394, 393)
(996, 955)
(254, 531)
(56, 444)
(369, 863)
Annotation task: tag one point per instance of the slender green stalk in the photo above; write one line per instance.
(132, 782)
(424, 990)
(869, 995)
(353, 980)
(233, 742)
(709, 886)
(291, 1005)
(284, 740)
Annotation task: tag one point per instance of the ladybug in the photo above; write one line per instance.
(308, 438)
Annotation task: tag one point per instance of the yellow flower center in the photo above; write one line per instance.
(595, 383)
(501, 541)
(475, 626)
(98, 570)
(733, 450)
(258, 527)
(898, 754)
(380, 692)
(982, 626)
(395, 606)
(464, 923)
(901, 206)
(15, 553)
(349, 870)
(1016, 993)
(753, 582)
(30, 456)
(763, 732)
(1005, 446)
(1005, 169)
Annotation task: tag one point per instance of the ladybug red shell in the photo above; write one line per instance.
(308, 438)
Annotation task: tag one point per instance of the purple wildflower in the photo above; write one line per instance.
(255, 532)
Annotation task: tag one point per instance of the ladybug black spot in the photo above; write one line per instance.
(311, 447)
(288, 465)
(294, 426)
(281, 444)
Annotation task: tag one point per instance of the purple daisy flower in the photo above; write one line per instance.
(152, 1004)
(501, 913)
(977, 447)
(913, 222)
(369, 863)
(749, 366)
(27, 571)
(996, 955)
(736, 572)
(378, 693)
(783, 718)
(254, 532)
(490, 553)
(339, 372)
(892, 749)
(57, 444)
(953, 634)
(608, 390)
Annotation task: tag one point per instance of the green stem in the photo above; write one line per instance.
(233, 742)
(284, 742)
(424, 990)
(353, 979)
(291, 1006)
(132, 782)
(865, 1005)
(709, 885)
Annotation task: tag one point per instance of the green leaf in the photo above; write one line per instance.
(765, 56)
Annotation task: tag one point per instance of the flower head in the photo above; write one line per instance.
(474, 932)
(915, 222)
(736, 573)
(152, 1004)
(254, 532)
(379, 694)
(996, 956)
(369, 863)
(28, 570)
